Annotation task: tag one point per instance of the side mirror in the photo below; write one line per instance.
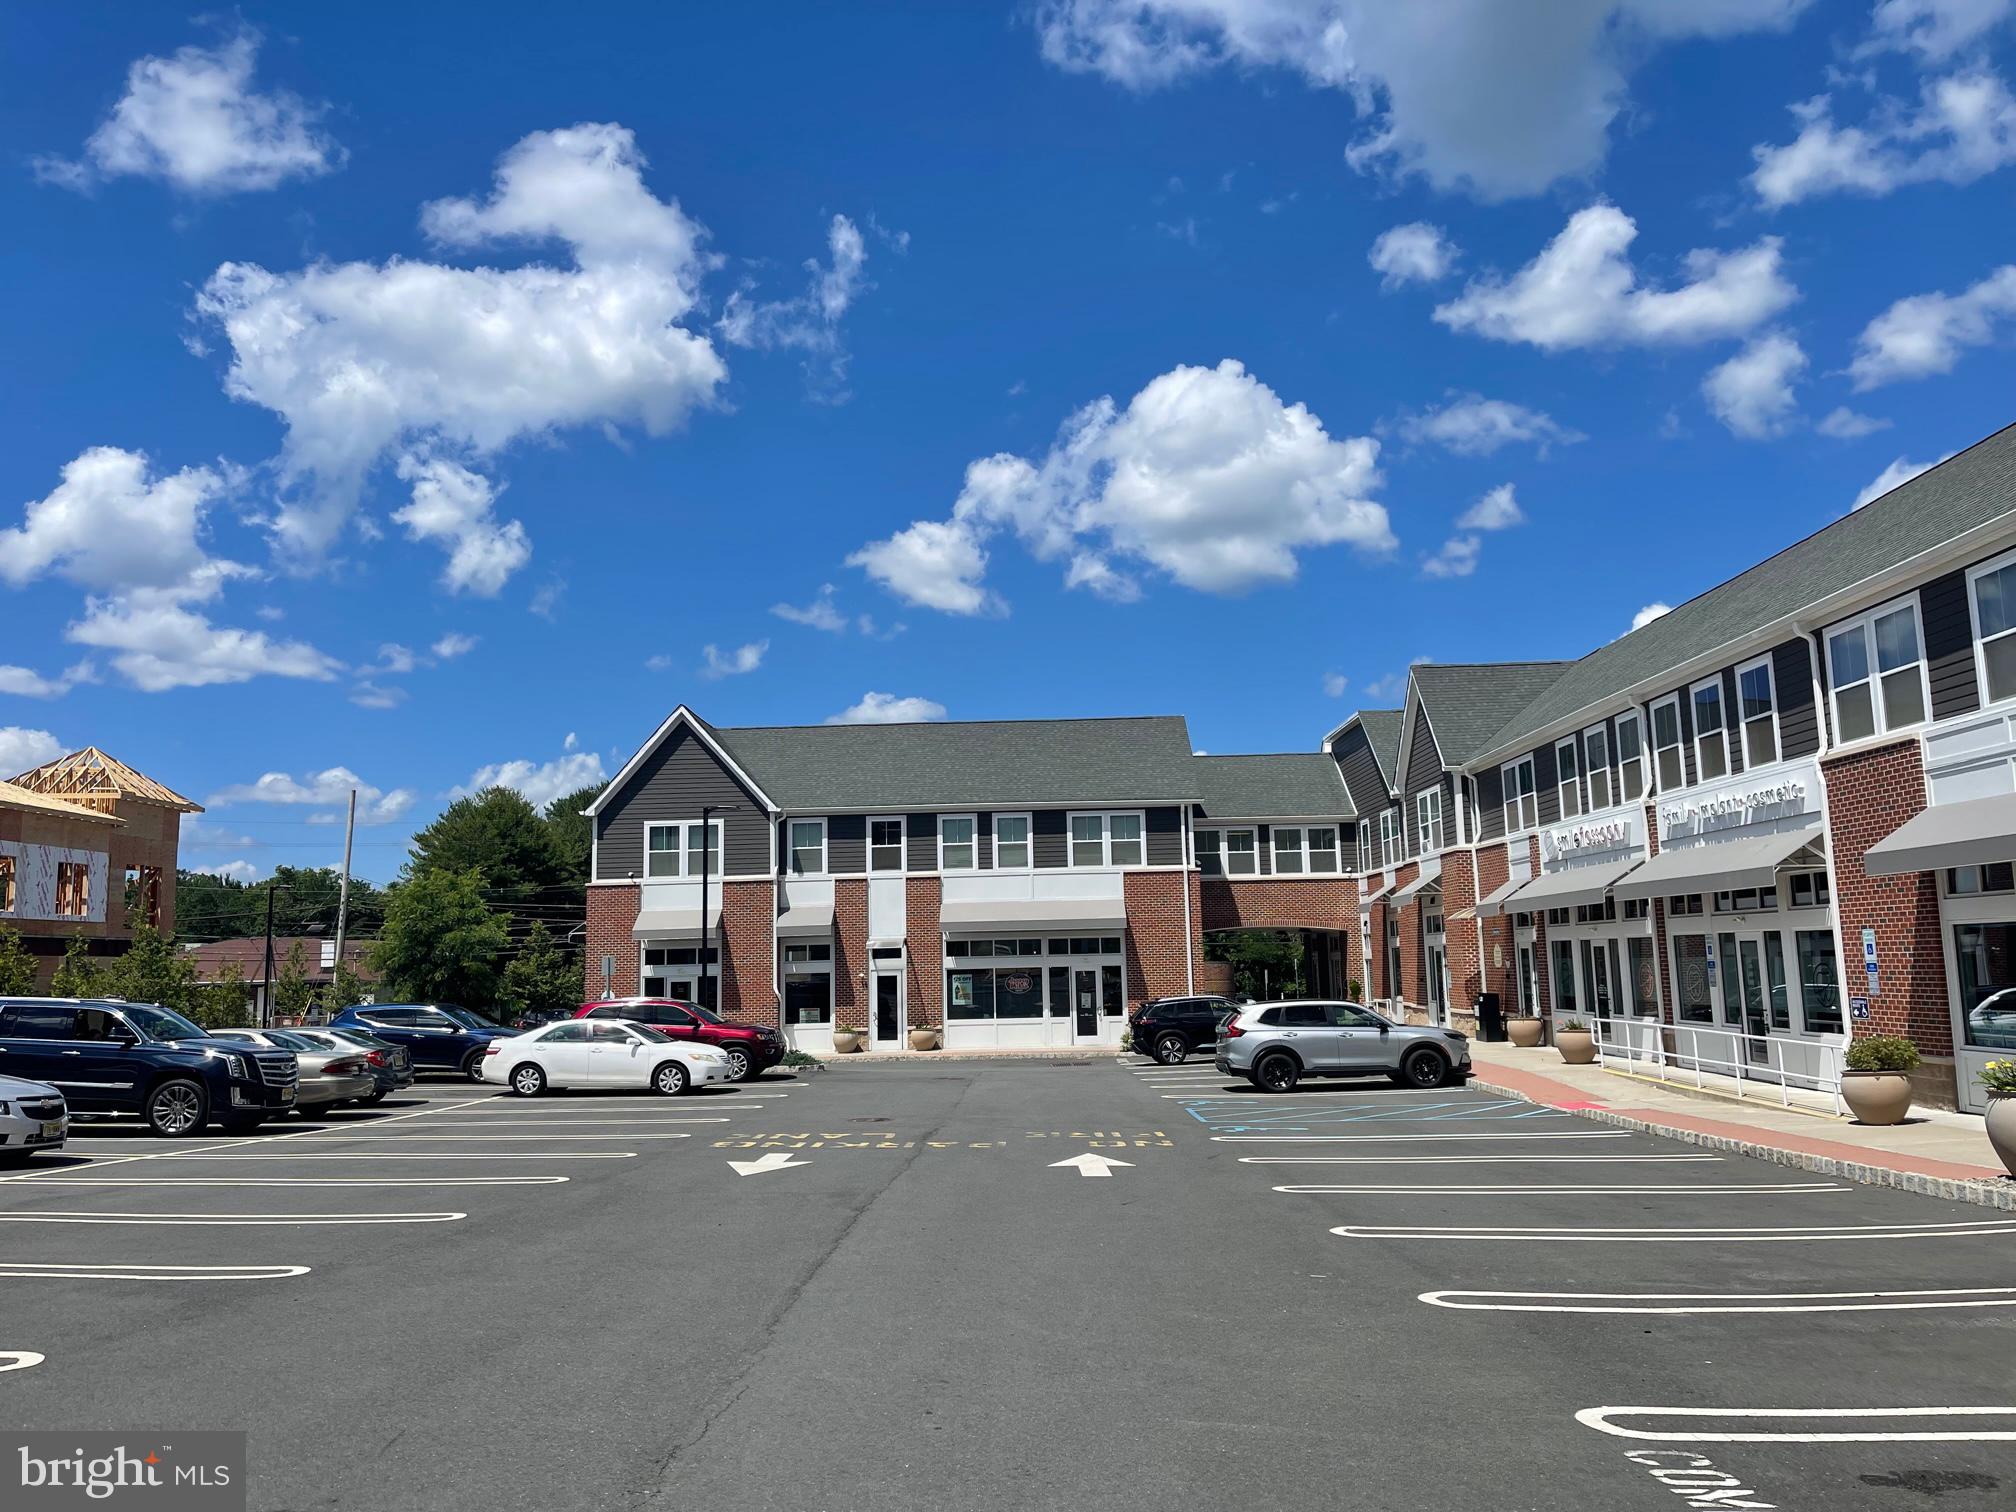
(1384, 1027)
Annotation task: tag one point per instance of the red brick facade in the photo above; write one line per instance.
(1276, 903)
(1159, 964)
(1497, 955)
(612, 915)
(924, 951)
(1459, 895)
(850, 953)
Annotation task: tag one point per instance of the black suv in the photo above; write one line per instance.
(1170, 1029)
(107, 1056)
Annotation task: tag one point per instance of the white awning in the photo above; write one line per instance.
(1718, 865)
(1571, 887)
(1948, 834)
(804, 921)
(1493, 903)
(1038, 913)
(1431, 876)
(675, 923)
(1375, 897)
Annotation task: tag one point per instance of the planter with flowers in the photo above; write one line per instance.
(1576, 1044)
(1877, 1082)
(1998, 1078)
(1523, 1029)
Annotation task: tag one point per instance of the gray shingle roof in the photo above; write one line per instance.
(1297, 786)
(1382, 733)
(930, 766)
(1468, 703)
(1970, 489)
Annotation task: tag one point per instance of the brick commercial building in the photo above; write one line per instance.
(1780, 815)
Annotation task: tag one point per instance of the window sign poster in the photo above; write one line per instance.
(962, 989)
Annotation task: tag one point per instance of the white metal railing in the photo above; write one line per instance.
(1696, 1052)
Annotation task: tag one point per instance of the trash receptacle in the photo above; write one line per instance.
(1490, 1017)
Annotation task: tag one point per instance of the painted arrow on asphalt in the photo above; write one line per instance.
(781, 1160)
(1091, 1165)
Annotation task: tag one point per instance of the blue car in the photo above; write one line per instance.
(439, 1036)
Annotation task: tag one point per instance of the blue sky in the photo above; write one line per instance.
(414, 403)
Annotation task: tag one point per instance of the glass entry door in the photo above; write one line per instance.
(888, 1003)
(1744, 1005)
(1438, 984)
(1085, 1002)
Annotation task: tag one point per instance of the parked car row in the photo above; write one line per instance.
(1275, 1045)
(603, 1052)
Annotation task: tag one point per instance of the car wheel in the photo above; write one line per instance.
(472, 1065)
(1171, 1050)
(1424, 1069)
(740, 1067)
(375, 1097)
(669, 1080)
(177, 1109)
(1277, 1073)
(528, 1080)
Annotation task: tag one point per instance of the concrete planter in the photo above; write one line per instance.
(923, 1039)
(848, 1041)
(1523, 1032)
(2001, 1123)
(1577, 1046)
(1876, 1097)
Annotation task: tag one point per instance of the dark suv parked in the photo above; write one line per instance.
(751, 1048)
(1172, 1029)
(439, 1036)
(113, 1057)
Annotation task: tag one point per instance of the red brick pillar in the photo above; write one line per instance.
(1408, 988)
(924, 952)
(850, 953)
(612, 915)
(1491, 939)
(1157, 922)
(1459, 936)
(747, 944)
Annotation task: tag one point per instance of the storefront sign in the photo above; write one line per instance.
(1784, 795)
(1613, 832)
(1869, 958)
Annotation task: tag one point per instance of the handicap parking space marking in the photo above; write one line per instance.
(1673, 1189)
(309, 1181)
(19, 1359)
(1398, 1138)
(1998, 1424)
(1982, 1228)
(53, 1270)
(1470, 1159)
(1671, 1304)
(233, 1220)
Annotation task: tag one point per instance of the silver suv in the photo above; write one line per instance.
(1275, 1045)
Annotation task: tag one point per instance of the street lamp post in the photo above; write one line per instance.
(707, 811)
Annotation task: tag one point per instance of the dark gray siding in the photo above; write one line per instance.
(1165, 836)
(1424, 760)
(1949, 645)
(1547, 777)
(1048, 829)
(672, 783)
(1362, 779)
(983, 842)
(921, 833)
(1347, 846)
(1792, 681)
(847, 844)
(1265, 841)
(1730, 720)
(1491, 805)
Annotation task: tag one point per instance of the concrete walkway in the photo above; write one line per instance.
(1941, 1154)
(907, 1055)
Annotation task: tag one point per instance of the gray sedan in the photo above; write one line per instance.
(1275, 1045)
(391, 1065)
(328, 1077)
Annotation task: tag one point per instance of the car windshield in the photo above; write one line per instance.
(288, 1041)
(359, 1037)
(469, 1020)
(705, 1015)
(160, 1023)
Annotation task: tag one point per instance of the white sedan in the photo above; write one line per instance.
(601, 1053)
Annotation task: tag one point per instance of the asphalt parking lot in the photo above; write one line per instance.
(927, 1285)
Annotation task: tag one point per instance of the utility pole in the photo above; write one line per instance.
(343, 890)
(266, 993)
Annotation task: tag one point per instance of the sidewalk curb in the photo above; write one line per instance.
(1987, 1193)
(1091, 1055)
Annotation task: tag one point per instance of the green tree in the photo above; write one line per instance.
(441, 942)
(17, 967)
(217, 908)
(293, 994)
(573, 835)
(1266, 963)
(76, 975)
(222, 1002)
(151, 971)
(346, 988)
(542, 976)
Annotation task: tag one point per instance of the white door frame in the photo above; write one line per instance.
(875, 975)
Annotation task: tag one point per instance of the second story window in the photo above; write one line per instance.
(1106, 840)
(885, 845)
(1288, 856)
(1323, 853)
(956, 850)
(1630, 759)
(679, 849)
(1995, 625)
(1757, 708)
(1666, 745)
(1566, 766)
(1297, 849)
(1364, 845)
(1711, 743)
(1522, 798)
(1389, 837)
(1876, 673)
(1210, 853)
(1242, 852)
(73, 889)
(1011, 842)
(6, 884)
(1428, 819)
(1597, 743)
(808, 847)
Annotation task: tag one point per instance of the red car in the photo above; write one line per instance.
(751, 1048)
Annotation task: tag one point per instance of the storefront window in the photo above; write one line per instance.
(1644, 977)
(1966, 881)
(1774, 981)
(1819, 987)
(1006, 978)
(808, 998)
(1986, 956)
(969, 994)
(1564, 978)
(1692, 985)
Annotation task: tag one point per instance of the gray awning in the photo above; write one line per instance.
(1718, 865)
(804, 921)
(1493, 903)
(1431, 876)
(1375, 897)
(1571, 887)
(675, 923)
(1948, 834)
(1038, 913)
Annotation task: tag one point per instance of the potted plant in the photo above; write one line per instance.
(923, 1038)
(1523, 1029)
(1576, 1044)
(1876, 1083)
(1998, 1077)
(847, 1039)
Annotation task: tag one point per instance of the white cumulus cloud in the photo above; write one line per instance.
(1335, 684)
(820, 614)
(717, 663)
(1205, 475)
(1457, 557)
(540, 782)
(1962, 128)
(887, 708)
(194, 121)
(1896, 475)
(1497, 510)
(1472, 426)
(327, 789)
(1648, 614)
(1932, 29)
(452, 645)
(808, 322)
(455, 508)
(1751, 393)
(26, 682)
(1845, 424)
(22, 750)
(1413, 253)
(1924, 334)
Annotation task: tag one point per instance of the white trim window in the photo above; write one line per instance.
(1630, 758)
(1111, 839)
(958, 847)
(1305, 848)
(1567, 776)
(1597, 743)
(1324, 853)
(1242, 852)
(1522, 796)
(807, 842)
(1876, 672)
(1667, 760)
(885, 844)
(672, 848)
(1289, 858)
(1991, 589)
(1389, 837)
(1757, 712)
(1012, 845)
(1364, 845)
(1210, 852)
(1711, 734)
(1428, 819)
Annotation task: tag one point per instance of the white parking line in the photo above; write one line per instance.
(1469, 1159)
(232, 1220)
(1680, 1189)
(498, 1138)
(446, 1155)
(19, 1359)
(1684, 1303)
(51, 1270)
(1600, 1418)
(1972, 1228)
(1283, 1099)
(309, 1181)
(1377, 1138)
(548, 1123)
